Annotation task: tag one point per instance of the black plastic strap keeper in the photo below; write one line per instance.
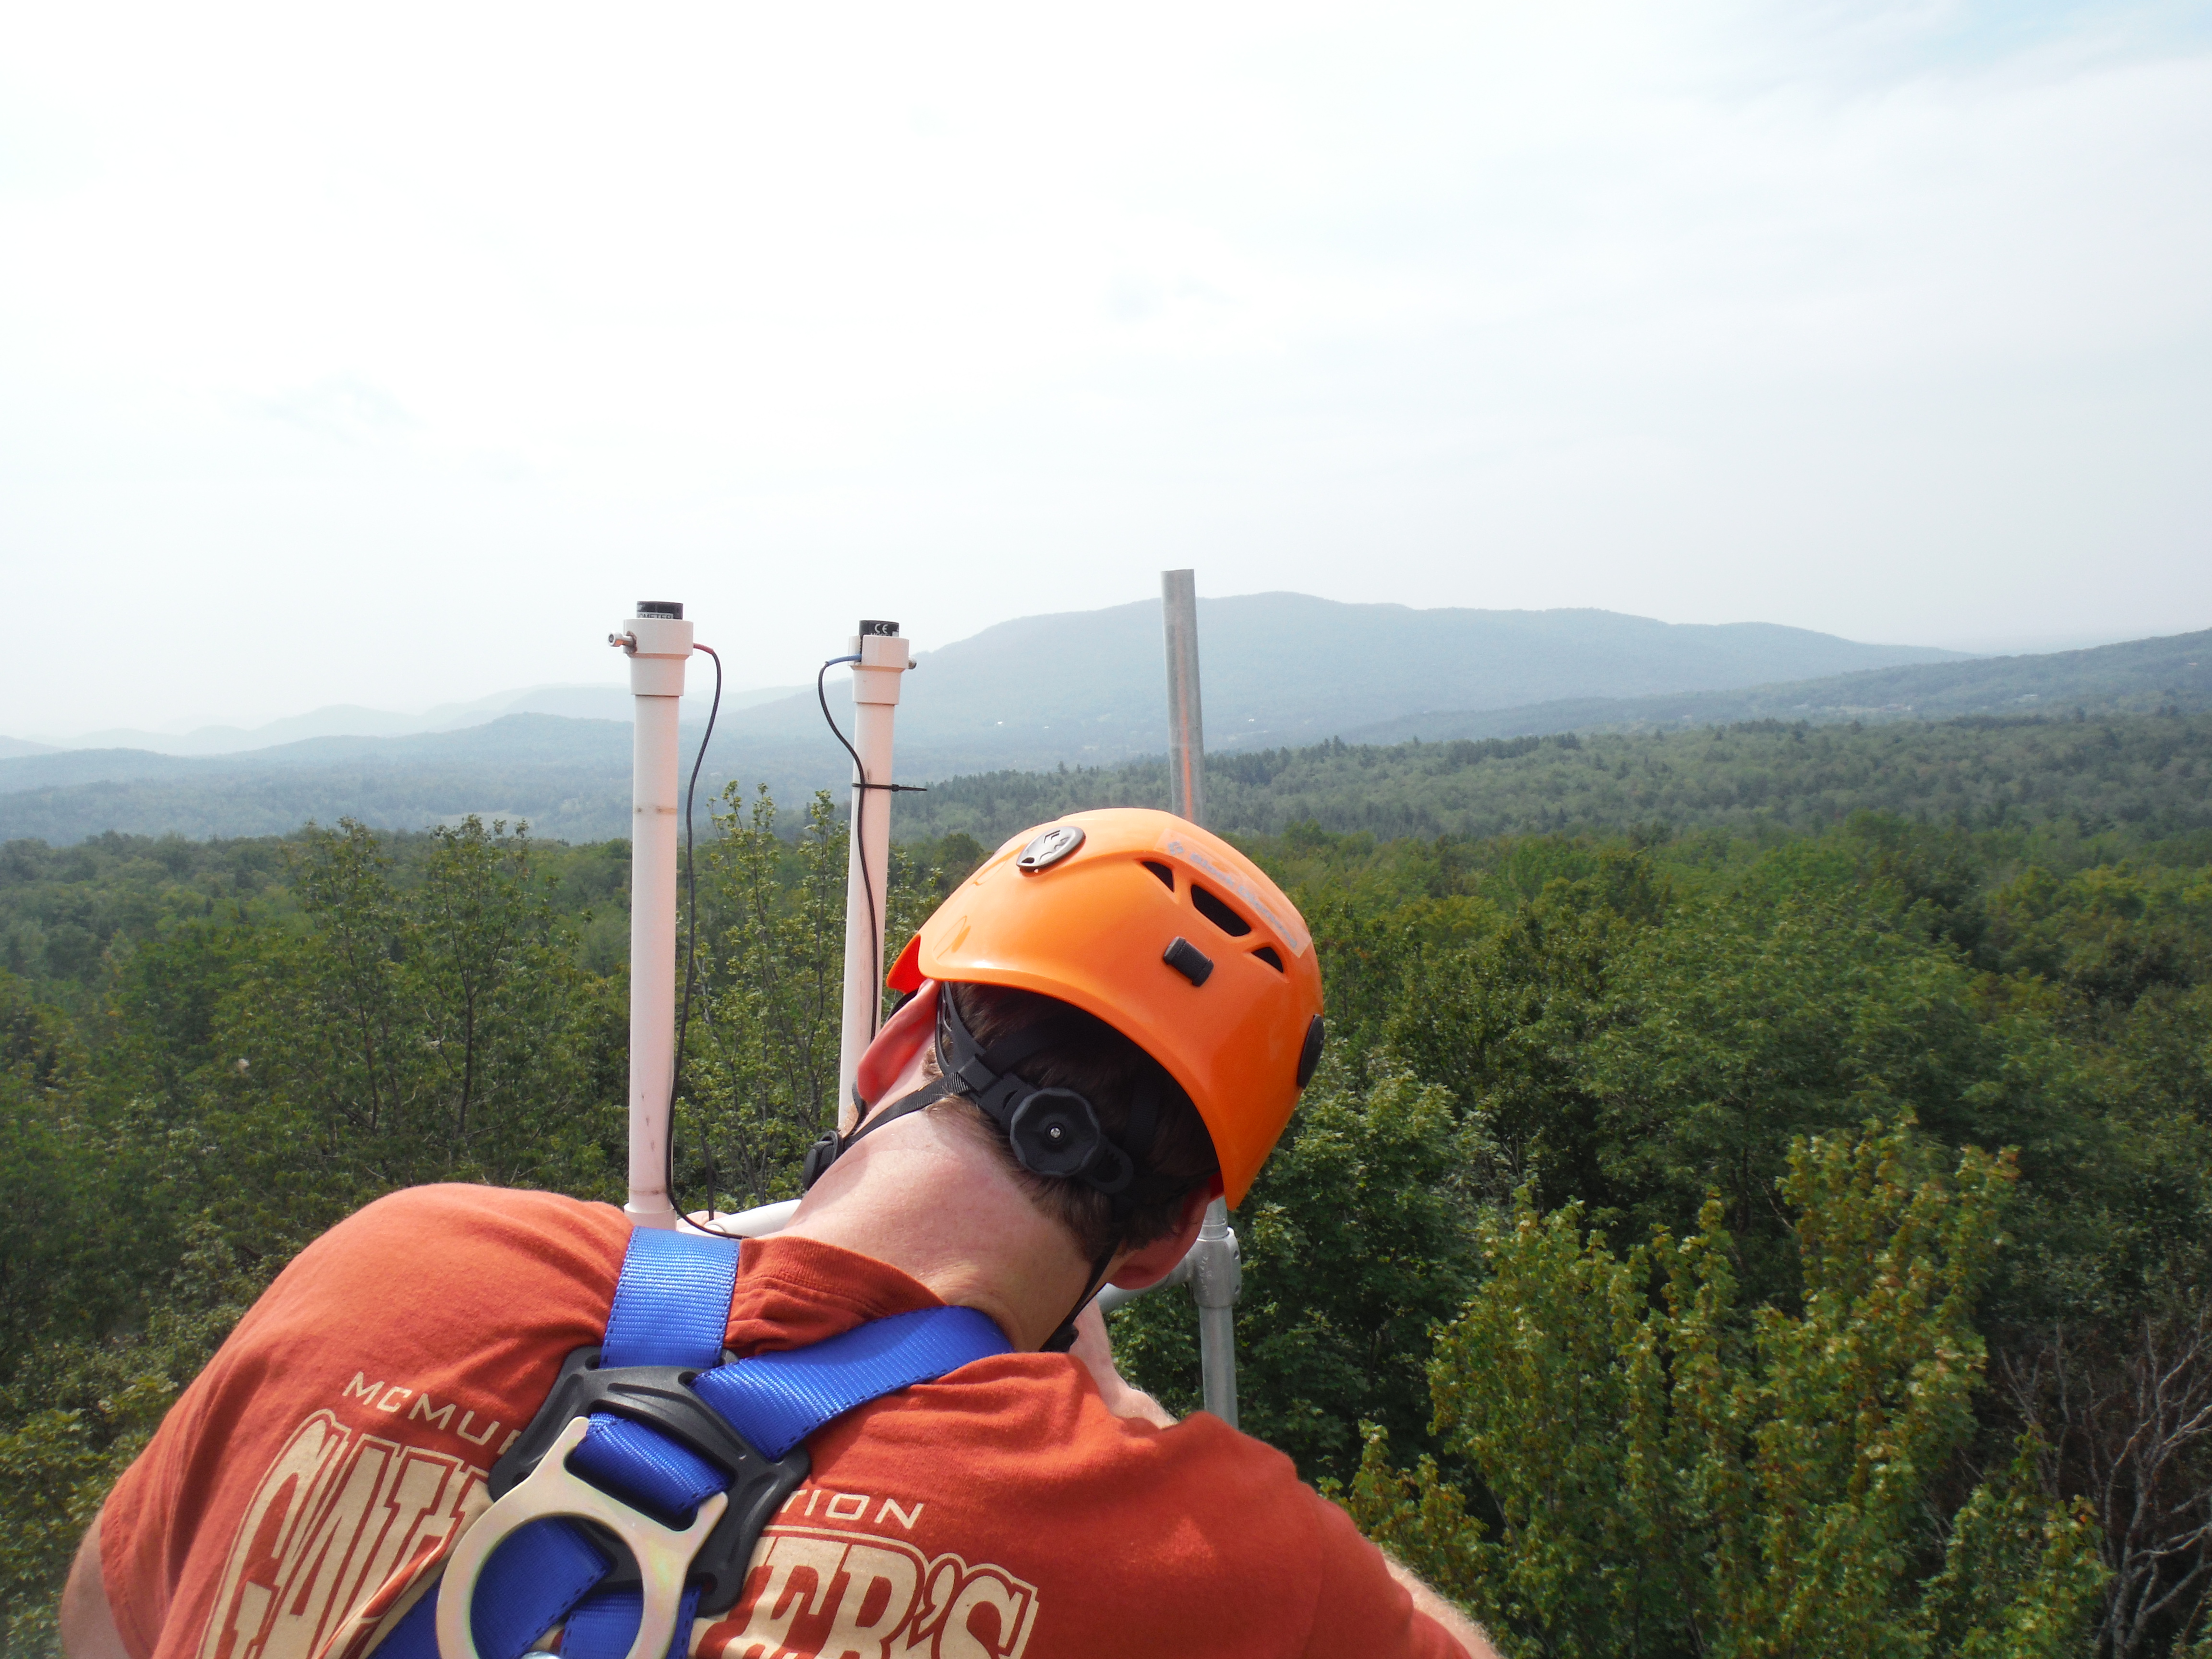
(660, 1397)
(1053, 1132)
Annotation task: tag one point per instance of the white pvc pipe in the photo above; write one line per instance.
(659, 646)
(876, 680)
(756, 1222)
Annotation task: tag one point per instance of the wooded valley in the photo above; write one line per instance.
(1756, 1200)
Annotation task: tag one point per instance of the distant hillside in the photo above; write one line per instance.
(1088, 686)
(570, 778)
(2150, 774)
(610, 701)
(2139, 676)
(1080, 687)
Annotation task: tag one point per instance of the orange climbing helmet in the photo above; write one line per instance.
(1169, 935)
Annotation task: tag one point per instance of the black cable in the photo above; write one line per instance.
(691, 886)
(859, 844)
(859, 847)
(690, 932)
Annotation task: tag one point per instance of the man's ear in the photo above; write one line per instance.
(904, 1035)
(1152, 1262)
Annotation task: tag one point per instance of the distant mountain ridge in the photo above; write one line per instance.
(605, 703)
(1088, 687)
(2137, 677)
(1081, 689)
(1280, 668)
(569, 778)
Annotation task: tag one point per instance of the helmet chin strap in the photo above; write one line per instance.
(1064, 1338)
(986, 1077)
(1144, 1116)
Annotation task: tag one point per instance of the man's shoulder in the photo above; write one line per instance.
(389, 1365)
(411, 1250)
(1010, 1484)
(428, 1222)
(460, 1201)
(1037, 1421)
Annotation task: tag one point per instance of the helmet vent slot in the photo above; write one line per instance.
(1214, 911)
(1267, 954)
(1165, 872)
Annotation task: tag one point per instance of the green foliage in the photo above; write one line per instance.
(437, 1031)
(760, 1076)
(248, 1067)
(51, 1237)
(1353, 1244)
(63, 908)
(762, 1062)
(1671, 1477)
(83, 1407)
(1632, 1031)
(2020, 1574)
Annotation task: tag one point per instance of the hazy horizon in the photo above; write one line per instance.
(698, 690)
(341, 353)
(700, 687)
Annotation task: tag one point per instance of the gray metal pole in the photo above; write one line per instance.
(1185, 729)
(1215, 1278)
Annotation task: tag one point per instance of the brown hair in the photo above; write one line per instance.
(1097, 1061)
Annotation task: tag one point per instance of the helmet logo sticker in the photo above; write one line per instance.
(1288, 929)
(1049, 848)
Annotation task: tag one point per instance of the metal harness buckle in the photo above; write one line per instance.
(532, 1482)
(663, 1556)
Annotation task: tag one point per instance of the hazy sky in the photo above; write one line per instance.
(384, 354)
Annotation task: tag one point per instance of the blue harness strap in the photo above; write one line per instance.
(777, 1400)
(670, 1306)
(670, 1309)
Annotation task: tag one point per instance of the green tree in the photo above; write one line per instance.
(761, 1067)
(507, 1017)
(75, 1417)
(343, 882)
(1353, 1244)
(1670, 1474)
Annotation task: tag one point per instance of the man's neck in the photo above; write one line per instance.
(926, 1196)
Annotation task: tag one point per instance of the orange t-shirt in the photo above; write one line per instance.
(296, 1496)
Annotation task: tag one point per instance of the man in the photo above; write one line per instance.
(1108, 1025)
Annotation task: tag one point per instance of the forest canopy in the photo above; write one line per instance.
(1730, 1219)
(2146, 774)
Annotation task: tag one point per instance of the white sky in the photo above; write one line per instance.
(384, 354)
